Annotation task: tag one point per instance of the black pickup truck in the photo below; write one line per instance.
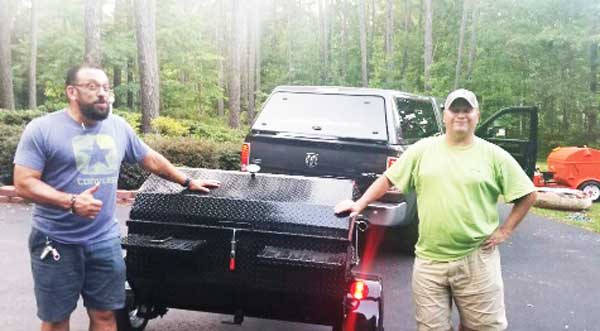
(357, 133)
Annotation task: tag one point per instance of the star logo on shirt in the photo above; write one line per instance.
(95, 154)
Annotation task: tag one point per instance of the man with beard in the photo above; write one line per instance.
(68, 163)
(458, 179)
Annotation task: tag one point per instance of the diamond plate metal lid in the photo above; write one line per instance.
(263, 201)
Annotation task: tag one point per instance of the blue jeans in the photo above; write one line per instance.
(95, 271)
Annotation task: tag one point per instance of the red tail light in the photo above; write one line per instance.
(390, 161)
(359, 290)
(245, 156)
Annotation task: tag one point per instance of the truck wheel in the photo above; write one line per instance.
(592, 189)
(128, 319)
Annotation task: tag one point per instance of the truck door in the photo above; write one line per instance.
(515, 129)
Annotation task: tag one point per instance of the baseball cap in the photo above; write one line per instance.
(461, 94)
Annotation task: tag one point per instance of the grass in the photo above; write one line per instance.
(589, 220)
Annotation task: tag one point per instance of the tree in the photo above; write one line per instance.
(7, 97)
(252, 44)
(362, 12)
(234, 61)
(145, 13)
(323, 40)
(344, 39)
(461, 38)
(243, 49)
(121, 21)
(389, 39)
(220, 41)
(257, 33)
(428, 46)
(473, 46)
(406, 46)
(32, 90)
(92, 19)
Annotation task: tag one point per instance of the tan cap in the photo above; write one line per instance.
(461, 94)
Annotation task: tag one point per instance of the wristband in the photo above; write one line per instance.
(73, 198)
(186, 182)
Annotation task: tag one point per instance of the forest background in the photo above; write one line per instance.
(213, 62)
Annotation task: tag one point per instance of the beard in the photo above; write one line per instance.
(96, 111)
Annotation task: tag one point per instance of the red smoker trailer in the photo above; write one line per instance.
(573, 167)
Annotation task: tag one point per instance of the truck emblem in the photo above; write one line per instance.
(311, 160)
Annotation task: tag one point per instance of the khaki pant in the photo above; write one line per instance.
(475, 284)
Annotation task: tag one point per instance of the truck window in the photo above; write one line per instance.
(336, 115)
(417, 118)
(516, 126)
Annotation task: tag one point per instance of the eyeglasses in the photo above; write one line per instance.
(93, 87)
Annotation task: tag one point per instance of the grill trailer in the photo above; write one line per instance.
(261, 245)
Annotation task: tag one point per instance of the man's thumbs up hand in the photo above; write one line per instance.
(86, 205)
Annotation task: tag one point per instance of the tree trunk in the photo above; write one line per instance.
(323, 71)
(389, 40)
(362, 12)
(117, 79)
(592, 114)
(145, 11)
(32, 90)
(461, 39)
(257, 61)
(244, 55)
(371, 26)
(234, 58)
(220, 42)
(92, 19)
(130, 66)
(253, 12)
(428, 47)
(344, 40)
(121, 18)
(473, 46)
(404, 66)
(7, 96)
(289, 13)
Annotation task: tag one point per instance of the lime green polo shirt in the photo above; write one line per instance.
(457, 191)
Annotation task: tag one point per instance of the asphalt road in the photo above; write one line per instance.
(551, 273)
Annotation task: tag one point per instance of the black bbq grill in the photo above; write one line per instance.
(267, 245)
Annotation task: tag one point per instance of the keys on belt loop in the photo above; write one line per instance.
(49, 249)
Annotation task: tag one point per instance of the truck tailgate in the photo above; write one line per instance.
(311, 157)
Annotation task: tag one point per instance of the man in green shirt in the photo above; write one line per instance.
(458, 179)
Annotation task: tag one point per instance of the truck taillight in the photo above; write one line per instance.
(359, 290)
(390, 161)
(245, 156)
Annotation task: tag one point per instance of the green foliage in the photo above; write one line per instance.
(184, 151)
(18, 117)
(9, 139)
(528, 52)
(214, 129)
(133, 118)
(169, 127)
(593, 214)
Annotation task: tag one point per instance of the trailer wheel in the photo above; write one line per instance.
(592, 189)
(129, 320)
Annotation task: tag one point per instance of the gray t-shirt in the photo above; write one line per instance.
(72, 159)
